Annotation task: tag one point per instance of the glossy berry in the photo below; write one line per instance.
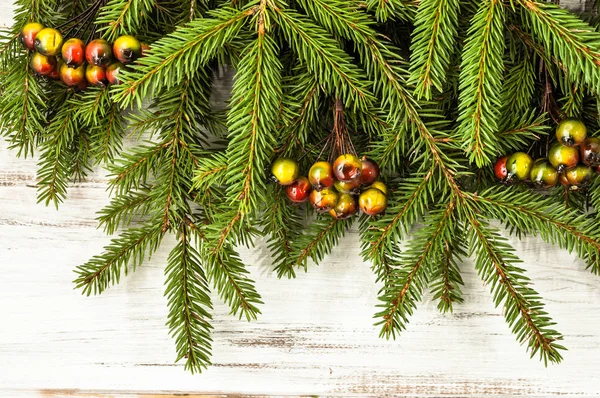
(55, 74)
(28, 34)
(571, 132)
(127, 49)
(285, 171)
(320, 175)
(518, 165)
(113, 72)
(579, 176)
(347, 167)
(563, 157)
(589, 152)
(48, 41)
(372, 202)
(96, 76)
(42, 64)
(345, 208)
(299, 190)
(324, 200)
(72, 76)
(98, 52)
(500, 168)
(381, 186)
(73, 52)
(369, 171)
(351, 187)
(543, 174)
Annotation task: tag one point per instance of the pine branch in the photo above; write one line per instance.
(403, 10)
(523, 309)
(528, 213)
(525, 129)
(124, 209)
(251, 121)
(128, 250)
(283, 224)
(316, 241)
(123, 17)
(190, 305)
(409, 277)
(572, 41)
(322, 56)
(517, 92)
(433, 45)
(231, 279)
(55, 166)
(446, 278)
(481, 83)
(180, 53)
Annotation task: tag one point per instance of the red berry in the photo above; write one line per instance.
(96, 76)
(500, 168)
(73, 52)
(590, 152)
(347, 167)
(42, 64)
(323, 200)
(112, 73)
(72, 76)
(299, 190)
(28, 34)
(369, 171)
(345, 208)
(98, 52)
(320, 175)
(127, 49)
(563, 157)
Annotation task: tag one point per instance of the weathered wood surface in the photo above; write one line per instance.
(315, 335)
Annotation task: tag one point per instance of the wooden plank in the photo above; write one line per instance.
(315, 335)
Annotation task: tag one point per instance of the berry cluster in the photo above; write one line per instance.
(571, 161)
(75, 63)
(338, 189)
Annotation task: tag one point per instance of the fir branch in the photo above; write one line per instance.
(517, 92)
(123, 17)
(316, 241)
(180, 53)
(189, 302)
(55, 166)
(124, 209)
(405, 286)
(523, 309)
(251, 123)
(433, 45)
(231, 278)
(128, 250)
(481, 83)
(446, 280)
(403, 10)
(571, 40)
(523, 130)
(528, 213)
(322, 56)
(282, 222)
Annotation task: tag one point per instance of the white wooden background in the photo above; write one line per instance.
(315, 335)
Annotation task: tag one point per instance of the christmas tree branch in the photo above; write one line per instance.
(405, 286)
(123, 209)
(181, 53)
(403, 10)
(321, 54)
(433, 45)
(121, 17)
(571, 40)
(446, 278)
(189, 301)
(481, 83)
(529, 213)
(517, 92)
(523, 308)
(128, 250)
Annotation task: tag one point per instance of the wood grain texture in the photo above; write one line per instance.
(315, 336)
